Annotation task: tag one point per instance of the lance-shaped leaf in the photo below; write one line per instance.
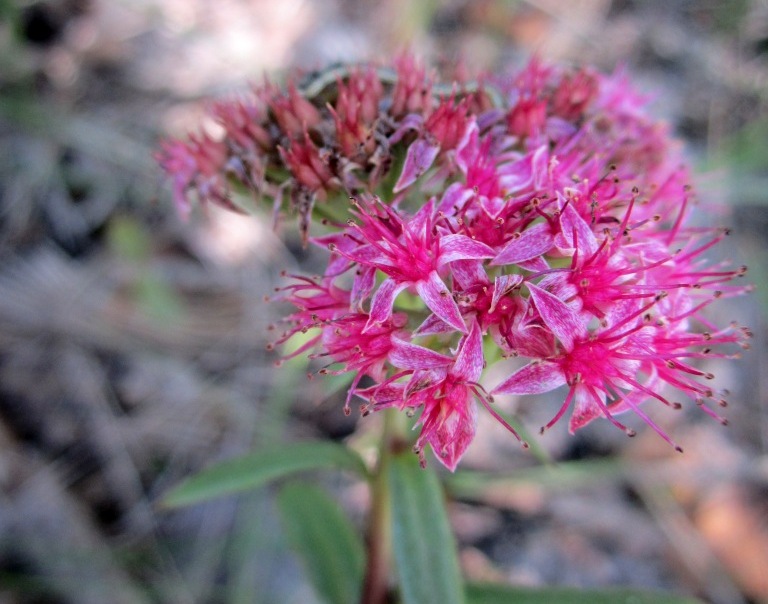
(478, 593)
(425, 552)
(261, 467)
(320, 533)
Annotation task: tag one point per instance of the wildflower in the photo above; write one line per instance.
(196, 165)
(413, 89)
(602, 368)
(556, 229)
(294, 114)
(355, 113)
(410, 253)
(445, 388)
(305, 162)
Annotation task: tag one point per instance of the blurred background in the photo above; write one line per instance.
(132, 346)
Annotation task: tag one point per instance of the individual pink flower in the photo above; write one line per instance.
(244, 121)
(601, 368)
(410, 252)
(445, 389)
(528, 117)
(442, 132)
(293, 113)
(413, 89)
(199, 165)
(308, 166)
(574, 94)
(355, 113)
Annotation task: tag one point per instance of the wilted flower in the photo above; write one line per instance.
(546, 213)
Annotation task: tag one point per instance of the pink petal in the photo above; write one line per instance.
(383, 299)
(534, 378)
(502, 286)
(421, 223)
(383, 395)
(460, 247)
(449, 426)
(492, 205)
(439, 300)
(468, 147)
(454, 198)
(421, 155)
(585, 409)
(533, 242)
(570, 222)
(467, 273)
(469, 361)
(561, 319)
(405, 355)
(540, 166)
(537, 265)
(411, 122)
(433, 326)
(362, 286)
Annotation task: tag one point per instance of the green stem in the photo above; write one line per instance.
(375, 586)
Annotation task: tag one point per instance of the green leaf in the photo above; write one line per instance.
(425, 552)
(473, 485)
(261, 467)
(328, 544)
(481, 593)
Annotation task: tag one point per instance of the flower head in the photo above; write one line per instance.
(543, 215)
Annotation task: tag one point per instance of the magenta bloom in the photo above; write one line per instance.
(445, 388)
(541, 215)
(410, 253)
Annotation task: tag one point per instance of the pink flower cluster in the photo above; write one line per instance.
(543, 216)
